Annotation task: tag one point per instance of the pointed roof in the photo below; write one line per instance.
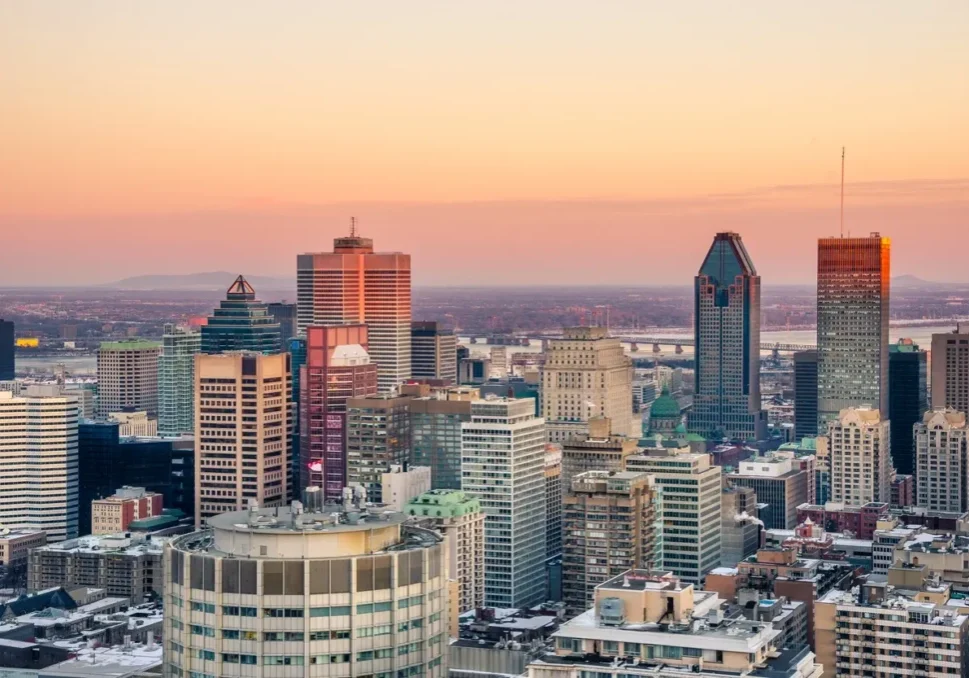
(240, 290)
(726, 259)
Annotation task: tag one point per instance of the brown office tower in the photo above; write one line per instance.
(353, 284)
(950, 369)
(337, 368)
(853, 302)
(242, 421)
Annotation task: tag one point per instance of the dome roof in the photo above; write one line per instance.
(665, 407)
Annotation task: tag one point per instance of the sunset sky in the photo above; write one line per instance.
(509, 142)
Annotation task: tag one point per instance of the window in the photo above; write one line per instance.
(206, 654)
(230, 634)
(206, 631)
(283, 612)
(203, 607)
(230, 658)
(412, 624)
(282, 660)
(370, 631)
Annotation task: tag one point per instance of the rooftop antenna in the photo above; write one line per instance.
(843, 191)
(353, 220)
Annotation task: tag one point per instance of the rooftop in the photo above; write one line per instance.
(129, 345)
(284, 520)
(108, 543)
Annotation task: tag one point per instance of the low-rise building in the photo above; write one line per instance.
(653, 624)
(858, 521)
(132, 423)
(115, 514)
(122, 565)
(15, 545)
(945, 556)
(402, 483)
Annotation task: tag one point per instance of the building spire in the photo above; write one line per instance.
(353, 227)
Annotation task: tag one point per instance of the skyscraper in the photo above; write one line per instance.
(860, 457)
(433, 352)
(7, 368)
(853, 308)
(942, 467)
(950, 369)
(241, 323)
(805, 394)
(726, 400)
(505, 440)
(435, 431)
(353, 284)
(38, 445)
(285, 315)
(242, 417)
(176, 381)
(337, 369)
(908, 399)
(586, 374)
(128, 377)
(378, 437)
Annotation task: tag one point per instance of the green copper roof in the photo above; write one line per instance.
(665, 406)
(130, 345)
(442, 504)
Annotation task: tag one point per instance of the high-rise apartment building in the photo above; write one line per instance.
(805, 394)
(378, 438)
(354, 284)
(908, 399)
(950, 369)
(608, 527)
(505, 441)
(337, 368)
(726, 398)
(690, 506)
(778, 483)
(586, 374)
(553, 502)
(38, 445)
(433, 351)
(7, 355)
(460, 519)
(242, 419)
(285, 315)
(293, 592)
(435, 433)
(241, 323)
(859, 451)
(598, 450)
(176, 381)
(942, 471)
(853, 308)
(128, 377)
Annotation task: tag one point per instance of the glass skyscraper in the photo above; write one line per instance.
(908, 400)
(241, 323)
(6, 350)
(176, 381)
(726, 401)
(853, 307)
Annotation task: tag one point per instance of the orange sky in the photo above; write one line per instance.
(525, 137)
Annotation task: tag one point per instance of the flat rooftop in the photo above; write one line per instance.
(643, 580)
(330, 518)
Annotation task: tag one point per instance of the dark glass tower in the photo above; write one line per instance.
(6, 350)
(805, 394)
(726, 401)
(241, 323)
(908, 399)
(285, 315)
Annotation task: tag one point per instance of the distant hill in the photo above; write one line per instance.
(913, 281)
(216, 280)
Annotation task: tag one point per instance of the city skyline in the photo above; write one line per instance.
(655, 124)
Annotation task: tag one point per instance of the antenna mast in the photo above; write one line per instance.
(353, 220)
(842, 191)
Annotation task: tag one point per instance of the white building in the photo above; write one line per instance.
(128, 376)
(503, 465)
(134, 424)
(38, 445)
(860, 455)
(403, 483)
(940, 460)
(690, 509)
(586, 374)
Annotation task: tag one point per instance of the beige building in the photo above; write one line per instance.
(586, 374)
(950, 369)
(859, 447)
(134, 424)
(608, 527)
(651, 624)
(402, 483)
(114, 514)
(15, 545)
(901, 626)
(460, 519)
(242, 423)
(286, 594)
(690, 487)
(128, 376)
(940, 460)
(596, 450)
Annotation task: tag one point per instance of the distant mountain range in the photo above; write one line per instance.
(216, 280)
(913, 281)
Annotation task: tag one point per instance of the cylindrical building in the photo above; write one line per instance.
(344, 591)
